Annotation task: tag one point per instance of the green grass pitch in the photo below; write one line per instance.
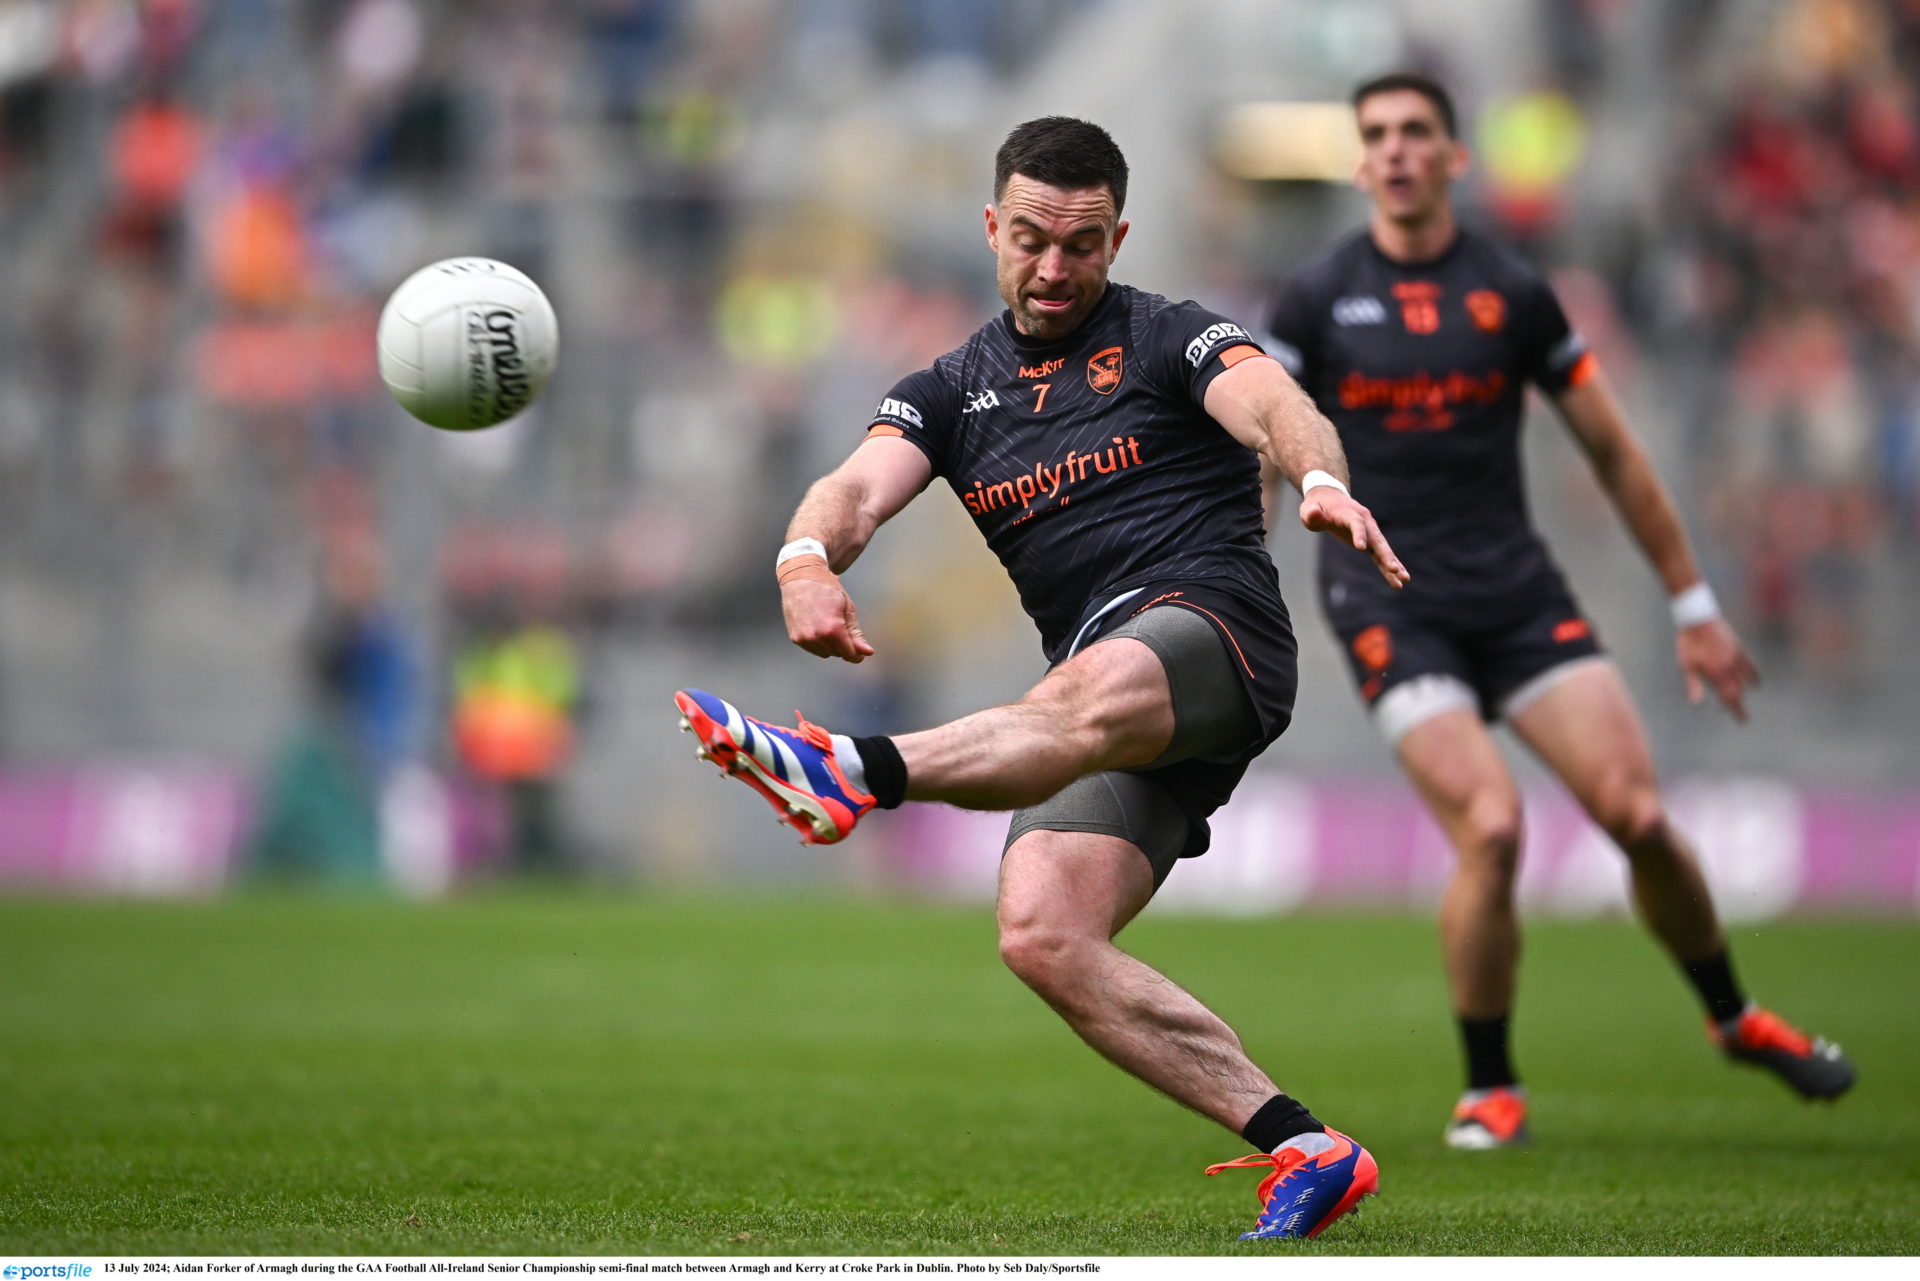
(628, 1075)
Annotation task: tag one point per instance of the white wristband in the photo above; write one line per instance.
(1316, 478)
(800, 547)
(1694, 606)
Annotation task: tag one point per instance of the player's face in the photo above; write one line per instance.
(1054, 249)
(1408, 162)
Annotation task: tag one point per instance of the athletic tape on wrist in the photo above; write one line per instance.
(806, 565)
(800, 547)
(1316, 478)
(1694, 606)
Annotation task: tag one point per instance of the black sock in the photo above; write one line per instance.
(1487, 1061)
(1719, 990)
(1279, 1119)
(886, 772)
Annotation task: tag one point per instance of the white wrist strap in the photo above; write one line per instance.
(800, 547)
(1694, 606)
(1316, 478)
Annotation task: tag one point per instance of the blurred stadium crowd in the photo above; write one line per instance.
(221, 542)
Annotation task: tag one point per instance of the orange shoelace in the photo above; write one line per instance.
(1284, 1163)
(813, 733)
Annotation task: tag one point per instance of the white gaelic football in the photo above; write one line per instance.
(466, 343)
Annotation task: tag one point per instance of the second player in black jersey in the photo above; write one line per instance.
(1423, 366)
(1104, 442)
(1418, 339)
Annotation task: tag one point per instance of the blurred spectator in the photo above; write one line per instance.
(1803, 203)
(1530, 145)
(516, 693)
(319, 814)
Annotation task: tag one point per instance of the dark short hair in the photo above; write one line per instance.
(1065, 153)
(1424, 85)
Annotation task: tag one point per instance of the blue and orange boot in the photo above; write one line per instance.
(794, 769)
(1306, 1193)
(1488, 1119)
(1811, 1065)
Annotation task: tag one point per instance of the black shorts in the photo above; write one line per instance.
(1492, 644)
(1232, 694)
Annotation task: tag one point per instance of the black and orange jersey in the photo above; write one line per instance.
(1423, 369)
(1088, 462)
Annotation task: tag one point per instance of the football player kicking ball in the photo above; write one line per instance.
(1416, 337)
(1104, 441)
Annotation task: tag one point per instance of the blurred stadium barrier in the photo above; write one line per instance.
(185, 832)
(1770, 846)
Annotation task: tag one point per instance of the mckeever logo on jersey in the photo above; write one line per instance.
(1088, 463)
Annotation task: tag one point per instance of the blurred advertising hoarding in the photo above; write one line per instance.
(1769, 847)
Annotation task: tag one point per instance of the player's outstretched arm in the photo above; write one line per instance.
(1261, 405)
(1710, 653)
(830, 529)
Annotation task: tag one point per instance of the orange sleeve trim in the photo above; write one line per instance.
(1234, 355)
(884, 429)
(1583, 370)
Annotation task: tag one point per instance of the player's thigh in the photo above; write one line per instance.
(1064, 885)
(1585, 728)
(1117, 692)
(1455, 764)
(1214, 717)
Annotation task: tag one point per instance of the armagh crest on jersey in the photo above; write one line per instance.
(1088, 462)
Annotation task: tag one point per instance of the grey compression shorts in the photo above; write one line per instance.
(1213, 718)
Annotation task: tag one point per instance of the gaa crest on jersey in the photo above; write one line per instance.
(1488, 307)
(1359, 309)
(1104, 369)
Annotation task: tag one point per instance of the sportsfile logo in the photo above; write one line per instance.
(18, 1272)
(1212, 336)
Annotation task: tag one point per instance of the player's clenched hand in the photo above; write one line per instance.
(1326, 509)
(1711, 655)
(821, 619)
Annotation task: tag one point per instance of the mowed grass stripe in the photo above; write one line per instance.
(561, 1074)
